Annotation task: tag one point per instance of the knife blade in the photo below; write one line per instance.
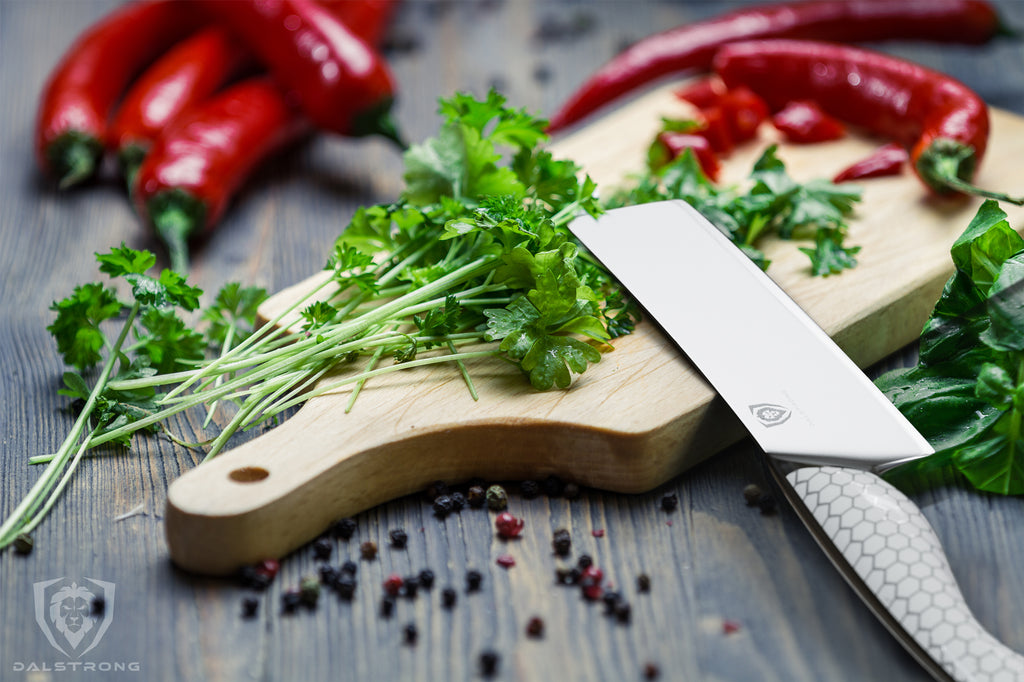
(825, 427)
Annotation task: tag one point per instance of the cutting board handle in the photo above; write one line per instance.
(894, 554)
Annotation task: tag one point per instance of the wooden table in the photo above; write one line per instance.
(735, 594)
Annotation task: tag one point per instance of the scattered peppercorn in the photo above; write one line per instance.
(250, 605)
(410, 634)
(643, 583)
(568, 576)
(448, 597)
(489, 663)
(436, 489)
(508, 526)
(506, 561)
(584, 562)
(387, 606)
(590, 582)
(345, 585)
(597, 532)
(623, 611)
(350, 567)
(344, 529)
(443, 506)
(309, 590)
(23, 543)
(290, 600)
(393, 584)
(767, 505)
(535, 627)
(562, 542)
(729, 627)
(426, 579)
(410, 587)
(476, 496)
(399, 538)
(529, 489)
(651, 671)
(458, 501)
(322, 549)
(368, 550)
(328, 575)
(752, 493)
(669, 502)
(269, 568)
(473, 580)
(611, 598)
(552, 486)
(98, 606)
(497, 498)
(571, 491)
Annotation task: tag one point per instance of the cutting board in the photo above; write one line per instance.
(636, 419)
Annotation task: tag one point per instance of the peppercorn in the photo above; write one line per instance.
(623, 611)
(506, 561)
(651, 671)
(752, 493)
(597, 532)
(552, 486)
(410, 634)
(590, 583)
(508, 526)
(258, 581)
(643, 583)
(529, 489)
(349, 567)
(98, 606)
(345, 585)
(568, 576)
(344, 529)
(269, 568)
(535, 627)
(669, 502)
(473, 580)
(766, 504)
(561, 542)
(497, 498)
(23, 543)
(322, 549)
(571, 491)
(328, 575)
(309, 590)
(436, 489)
(489, 663)
(458, 501)
(426, 579)
(443, 506)
(290, 600)
(476, 496)
(584, 562)
(368, 550)
(399, 538)
(387, 606)
(410, 586)
(250, 605)
(393, 584)
(448, 597)
(611, 599)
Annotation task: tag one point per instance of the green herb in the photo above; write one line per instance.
(473, 260)
(774, 203)
(966, 394)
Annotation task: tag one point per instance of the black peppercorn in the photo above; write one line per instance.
(476, 496)
(611, 599)
(290, 601)
(436, 489)
(410, 586)
(23, 543)
(250, 605)
(410, 634)
(443, 506)
(643, 583)
(561, 542)
(368, 550)
(387, 606)
(322, 549)
(473, 580)
(552, 486)
(529, 489)
(623, 611)
(489, 663)
(426, 579)
(669, 502)
(752, 493)
(349, 567)
(458, 501)
(766, 504)
(328, 575)
(344, 529)
(345, 585)
(399, 538)
(568, 576)
(651, 671)
(98, 606)
(584, 562)
(571, 491)
(535, 627)
(448, 597)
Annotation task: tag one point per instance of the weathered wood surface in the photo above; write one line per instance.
(713, 561)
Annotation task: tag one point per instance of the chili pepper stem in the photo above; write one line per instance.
(378, 121)
(176, 216)
(946, 164)
(129, 158)
(74, 157)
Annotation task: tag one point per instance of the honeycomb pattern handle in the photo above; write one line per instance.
(891, 547)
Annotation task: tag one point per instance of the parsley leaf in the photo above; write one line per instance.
(77, 325)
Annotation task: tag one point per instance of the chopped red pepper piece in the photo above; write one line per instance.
(670, 145)
(888, 159)
(804, 122)
(744, 111)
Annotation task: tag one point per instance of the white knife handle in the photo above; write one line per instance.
(889, 544)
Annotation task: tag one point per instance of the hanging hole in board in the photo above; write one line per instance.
(248, 474)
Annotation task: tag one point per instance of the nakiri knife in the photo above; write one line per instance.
(825, 427)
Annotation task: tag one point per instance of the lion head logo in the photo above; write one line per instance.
(65, 613)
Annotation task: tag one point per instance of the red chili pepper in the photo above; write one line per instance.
(715, 129)
(185, 76)
(194, 168)
(884, 161)
(94, 72)
(334, 76)
(669, 145)
(804, 122)
(368, 19)
(744, 111)
(942, 120)
(692, 46)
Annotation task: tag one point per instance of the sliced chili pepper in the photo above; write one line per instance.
(340, 82)
(887, 160)
(715, 129)
(942, 121)
(195, 167)
(93, 73)
(744, 111)
(702, 93)
(692, 46)
(669, 145)
(186, 75)
(803, 122)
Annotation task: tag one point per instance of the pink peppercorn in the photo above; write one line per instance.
(393, 584)
(508, 526)
(506, 561)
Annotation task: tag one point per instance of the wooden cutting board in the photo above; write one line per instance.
(635, 420)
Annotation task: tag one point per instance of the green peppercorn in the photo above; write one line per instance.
(497, 498)
(309, 588)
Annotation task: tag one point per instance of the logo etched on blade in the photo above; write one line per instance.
(770, 415)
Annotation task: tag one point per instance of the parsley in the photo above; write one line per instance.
(966, 394)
